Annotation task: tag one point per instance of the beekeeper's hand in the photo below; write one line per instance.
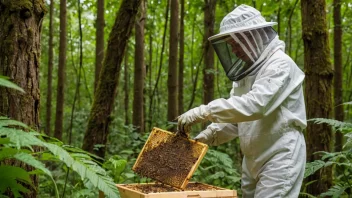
(206, 137)
(193, 116)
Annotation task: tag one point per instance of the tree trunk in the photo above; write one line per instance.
(318, 91)
(289, 29)
(279, 18)
(139, 71)
(208, 72)
(126, 88)
(149, 71)
(78, 82)
(99, 119)
(99, 49)
(151, 112)
(50, 71)
(20, 31)
(181, 59)
(172, 108)
(61, 73)
(338, 98)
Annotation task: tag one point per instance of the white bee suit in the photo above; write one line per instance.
(265, 109)
(270, 111)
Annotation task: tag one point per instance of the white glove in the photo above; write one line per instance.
(193, 116)
(206, 137)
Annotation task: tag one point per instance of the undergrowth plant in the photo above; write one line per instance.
(18, 142)
(218, 169)
(340, 160)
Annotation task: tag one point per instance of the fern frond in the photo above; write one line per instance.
(4, 140)
(7, 153)
(30, 160)
(4, 82)
(9, 177)
(20, 138)
(337, 125)
(85, 169)
(347, 103)
(312, 167)
(335, 191)
(348, 140)
(5, 122)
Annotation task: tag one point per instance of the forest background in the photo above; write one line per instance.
(156, 63)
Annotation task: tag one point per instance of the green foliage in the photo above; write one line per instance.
(337, 125)
(86, 168)
(217, 169)
(342, 161)
(10, 178)
(4, 82)
(336, 191)
(312, 167)
(116, 166)
(17, 144)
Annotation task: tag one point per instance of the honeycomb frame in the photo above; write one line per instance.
(161, 161)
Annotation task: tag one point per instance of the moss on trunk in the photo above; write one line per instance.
(19, 59)
(318, 86)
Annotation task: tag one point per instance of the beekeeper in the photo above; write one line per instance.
(265, 109)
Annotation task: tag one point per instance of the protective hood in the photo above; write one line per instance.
(241, 53)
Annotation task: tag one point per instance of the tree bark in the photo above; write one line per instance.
(50, 71)
(172, 84)
(61, 72)
(21, 23)
(99, 50)
(338, 97)
(319, 74)
(139, 72)
(100, 115)
(208, 72)
(126, 88)
(181, 59)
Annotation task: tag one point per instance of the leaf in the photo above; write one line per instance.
(87, 170)
(347, 103)
(30, 160)
(4, 82)
(312, 167)
(9, 177)
(4, 140)
(130, 175)
(234, 179)
(20, 138)
(4, 121)
(217, 175)
(338, 125)
(7, 153)
(221, 158)
(348, 140)
(335, 191)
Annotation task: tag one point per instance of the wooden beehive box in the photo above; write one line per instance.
(169, 159)
(136, 191)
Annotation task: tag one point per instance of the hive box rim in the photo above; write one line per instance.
(221, 192)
